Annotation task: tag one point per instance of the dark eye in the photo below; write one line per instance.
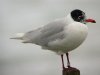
(81, 17)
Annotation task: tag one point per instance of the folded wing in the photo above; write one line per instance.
(48, 33)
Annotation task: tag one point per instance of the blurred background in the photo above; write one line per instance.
(17, 58)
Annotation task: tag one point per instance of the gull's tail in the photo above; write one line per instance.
(18, 36)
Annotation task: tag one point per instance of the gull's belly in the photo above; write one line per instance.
(73, 40)
(75, 35)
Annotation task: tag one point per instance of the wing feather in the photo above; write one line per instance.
(47, 33)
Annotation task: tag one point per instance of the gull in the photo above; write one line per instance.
(61, 36)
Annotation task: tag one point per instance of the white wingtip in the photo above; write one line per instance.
(18, 36)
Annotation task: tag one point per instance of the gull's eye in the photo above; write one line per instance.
(81, 17)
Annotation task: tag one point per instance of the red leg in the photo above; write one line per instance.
(62, 61)
(68, 62)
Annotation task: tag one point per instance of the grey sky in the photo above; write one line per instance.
(17, 58)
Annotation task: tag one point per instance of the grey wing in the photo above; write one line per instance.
(47, 33)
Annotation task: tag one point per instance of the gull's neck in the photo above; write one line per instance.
(69, 19)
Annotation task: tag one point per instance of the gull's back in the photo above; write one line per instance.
(50, 32)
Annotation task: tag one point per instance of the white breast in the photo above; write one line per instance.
(75, 35)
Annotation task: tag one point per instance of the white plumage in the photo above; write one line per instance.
(60, 36)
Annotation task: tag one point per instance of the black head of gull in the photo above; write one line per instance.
(78, 15)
